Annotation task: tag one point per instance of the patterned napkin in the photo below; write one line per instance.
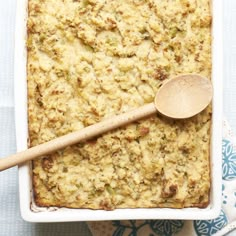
(217, 226)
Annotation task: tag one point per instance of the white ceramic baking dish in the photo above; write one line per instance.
(30, 212)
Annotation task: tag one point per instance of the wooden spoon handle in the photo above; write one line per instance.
(77, 136)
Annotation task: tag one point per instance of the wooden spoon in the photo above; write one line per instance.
(181, 97)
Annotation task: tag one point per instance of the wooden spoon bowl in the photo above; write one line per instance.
(184, 96)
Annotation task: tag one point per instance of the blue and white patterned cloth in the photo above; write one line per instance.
(181, 227)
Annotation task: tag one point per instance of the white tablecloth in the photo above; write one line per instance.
(11, 223)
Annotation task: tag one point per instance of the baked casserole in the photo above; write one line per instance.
(92, 59)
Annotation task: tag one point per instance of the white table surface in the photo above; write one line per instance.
(11, 223)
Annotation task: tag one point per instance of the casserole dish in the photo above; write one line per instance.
(31, 212)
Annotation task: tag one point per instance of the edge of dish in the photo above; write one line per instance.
(31, 213)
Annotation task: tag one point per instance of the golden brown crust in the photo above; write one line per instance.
(88, 60)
